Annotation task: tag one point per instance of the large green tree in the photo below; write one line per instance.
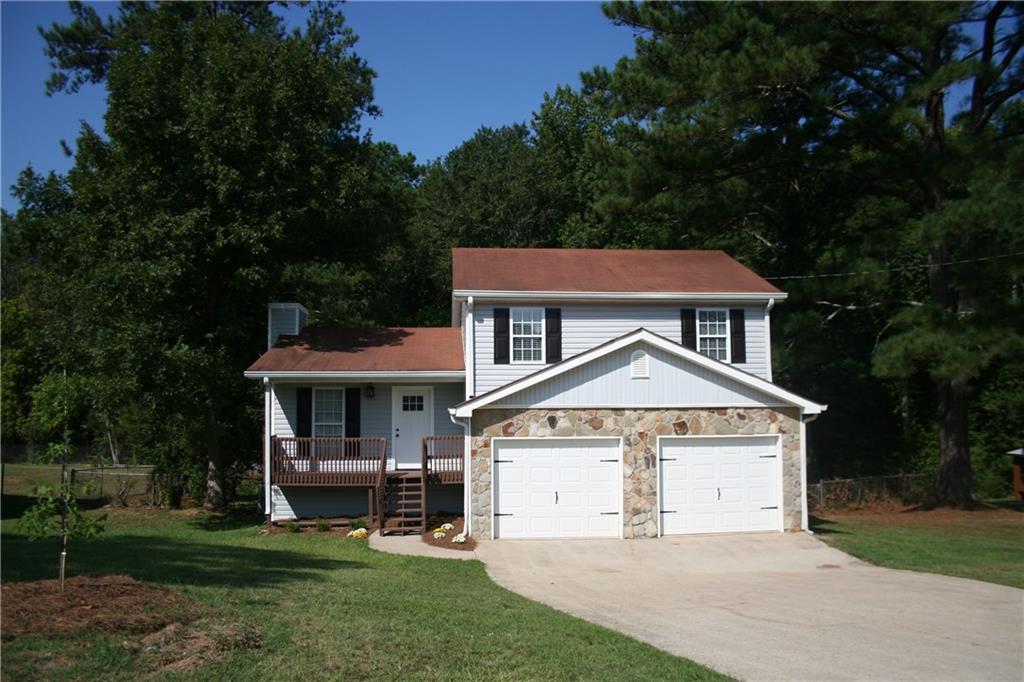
(840, 137)
(231, 161)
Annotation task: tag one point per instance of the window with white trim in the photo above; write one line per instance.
(527, 334)
(328, 412)
(713, 333)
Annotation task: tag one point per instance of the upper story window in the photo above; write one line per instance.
(713, 333)
(328, 412)
(527, 335)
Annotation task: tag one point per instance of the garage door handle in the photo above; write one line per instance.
(719, 492)
(769, 507)
(556, 497)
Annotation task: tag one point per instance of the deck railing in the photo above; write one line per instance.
(328, 461)
(444, 458)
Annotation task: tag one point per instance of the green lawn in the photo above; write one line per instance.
(986, 544)
(326, 606)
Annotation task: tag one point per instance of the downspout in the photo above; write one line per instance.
(467, 478)
(768, 336)
(268, 425)
(805, 419)
(471, 350)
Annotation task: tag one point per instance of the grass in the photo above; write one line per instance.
(327, 608)
(985, 544)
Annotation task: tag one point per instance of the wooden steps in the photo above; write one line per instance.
(405, 509)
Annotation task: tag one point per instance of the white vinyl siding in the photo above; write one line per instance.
(309, 502)
(374, 413)
(605, 382)
(586, 325)
(284, 319)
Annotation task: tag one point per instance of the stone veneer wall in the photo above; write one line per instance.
(639, 429)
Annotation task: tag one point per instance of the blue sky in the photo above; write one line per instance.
(443, 70)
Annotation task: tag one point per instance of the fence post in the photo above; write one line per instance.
(101, 480)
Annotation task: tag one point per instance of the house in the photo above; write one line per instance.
(577, 393)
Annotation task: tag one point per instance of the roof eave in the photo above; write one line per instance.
(382, 375)
(717, 296)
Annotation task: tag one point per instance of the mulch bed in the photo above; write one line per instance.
(446, 542)
(939, 517)
(105, 604)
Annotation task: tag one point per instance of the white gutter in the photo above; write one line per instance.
(736, 296)
(445, 376)
(805, 419)
(467, 475)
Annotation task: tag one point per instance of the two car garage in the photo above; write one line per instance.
(573, 487)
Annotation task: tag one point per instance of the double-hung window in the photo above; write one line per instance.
(527, 335)
(713, 333)
(328, 412)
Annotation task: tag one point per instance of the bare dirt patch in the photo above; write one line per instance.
(178, 648)
(104, 604)
(446, 542)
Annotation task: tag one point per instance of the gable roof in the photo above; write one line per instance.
(344, 352)
(466, 408)
(604, 271)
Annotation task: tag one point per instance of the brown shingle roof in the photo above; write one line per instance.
(393, 349)
(603, 270)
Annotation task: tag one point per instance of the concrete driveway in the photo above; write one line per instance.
(774, 606)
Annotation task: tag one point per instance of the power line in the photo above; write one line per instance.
(900, 269)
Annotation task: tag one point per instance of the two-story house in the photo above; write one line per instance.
(577, 393)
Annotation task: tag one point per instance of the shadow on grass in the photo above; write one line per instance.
(165, 560)
(235, 517)
(822, 526)
(13, 506)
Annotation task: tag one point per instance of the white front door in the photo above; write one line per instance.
(719, 484)
(557, 488)
(412, 420)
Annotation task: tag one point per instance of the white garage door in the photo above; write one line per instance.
(719, 484)
(557, 488)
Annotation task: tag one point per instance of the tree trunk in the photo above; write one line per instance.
(955, 478)
(216, 493)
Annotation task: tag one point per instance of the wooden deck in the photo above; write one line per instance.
(398, 496)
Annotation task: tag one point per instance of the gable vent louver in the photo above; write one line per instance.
(639, 365)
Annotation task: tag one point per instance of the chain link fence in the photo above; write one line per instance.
(844, 493)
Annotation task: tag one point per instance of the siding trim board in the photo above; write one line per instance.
(756, 383)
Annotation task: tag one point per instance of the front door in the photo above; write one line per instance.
(412, 419)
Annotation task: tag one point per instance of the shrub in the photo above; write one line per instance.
(323, 525)
(293, 527)
(357, 523)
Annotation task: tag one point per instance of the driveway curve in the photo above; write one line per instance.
(774, 606)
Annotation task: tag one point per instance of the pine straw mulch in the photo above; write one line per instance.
(166, 628)
(105, 604)
(446, 542)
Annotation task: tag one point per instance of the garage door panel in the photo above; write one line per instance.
(719, 485)
(585, 474)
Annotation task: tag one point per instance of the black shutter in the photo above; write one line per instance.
(304, 410)
(352, 412)
(689, 328)
(501, 336)
(553, 334)
(738, 332)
